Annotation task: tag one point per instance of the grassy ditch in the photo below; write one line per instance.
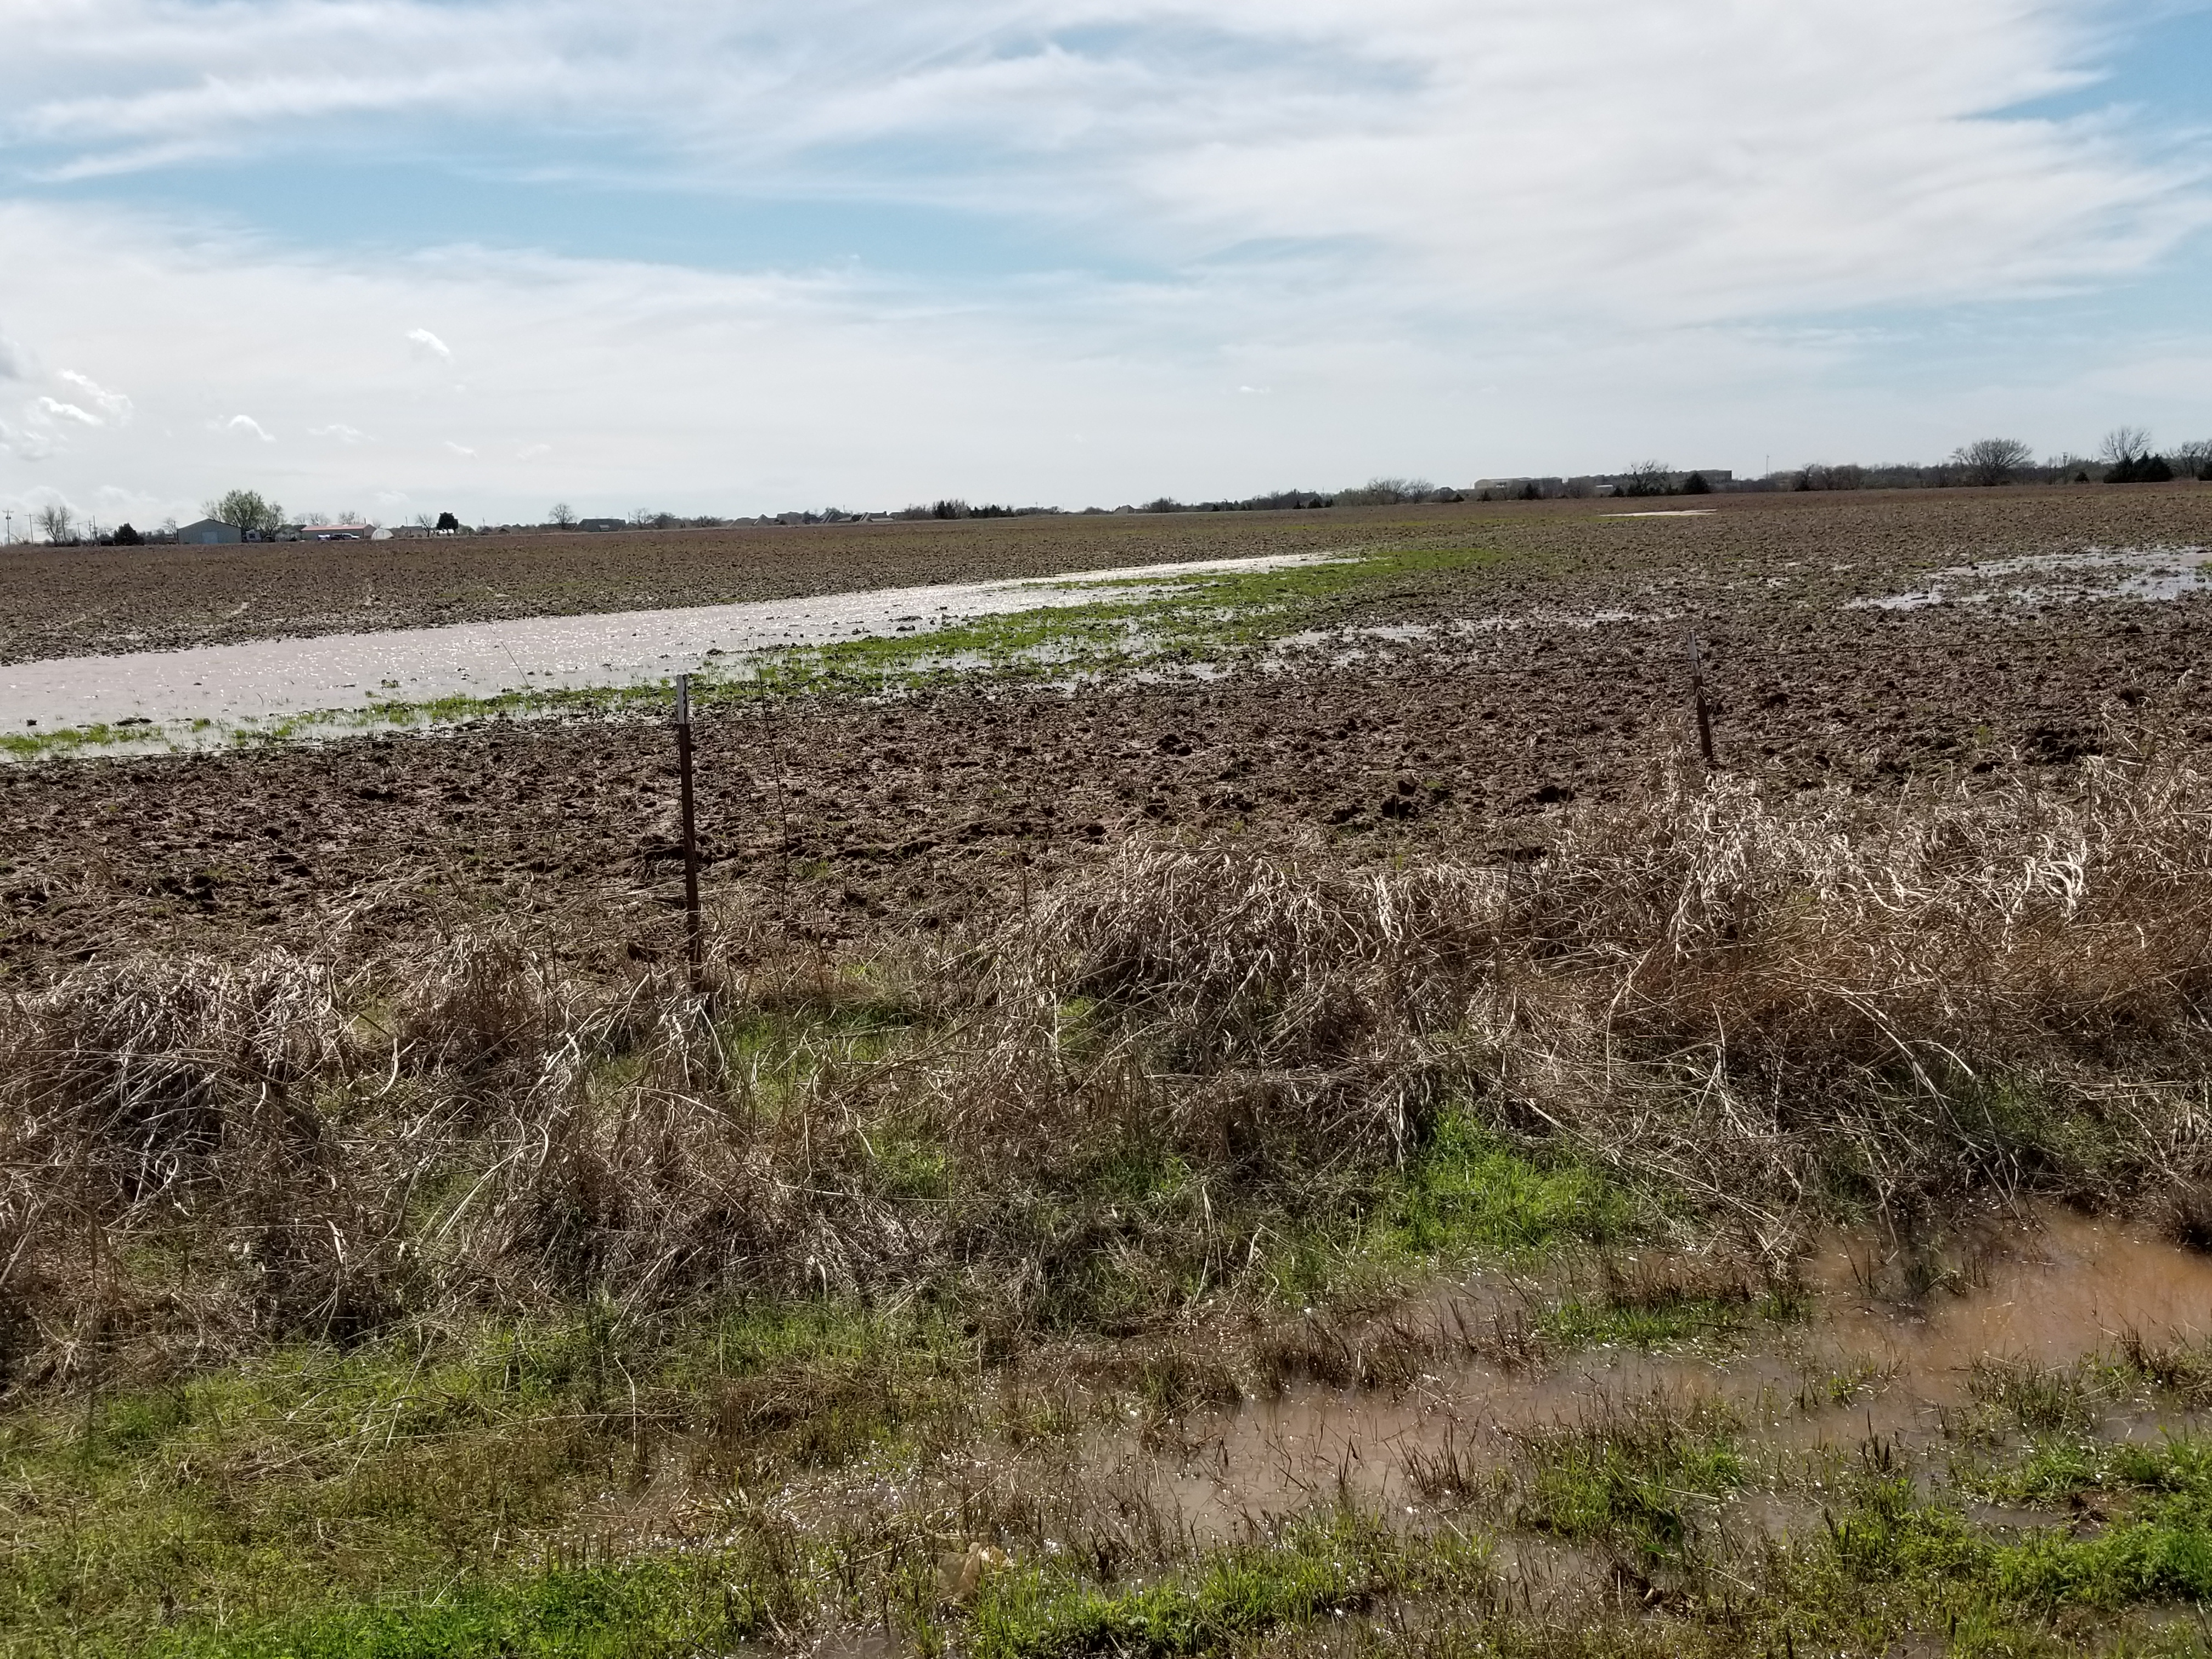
(450, 1301)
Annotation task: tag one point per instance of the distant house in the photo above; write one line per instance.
(209, 532)
(600, 524)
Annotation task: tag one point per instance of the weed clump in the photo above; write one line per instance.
(1191, 1070)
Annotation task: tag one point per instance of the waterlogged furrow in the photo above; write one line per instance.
(282, 688)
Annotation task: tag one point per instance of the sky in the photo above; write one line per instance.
(388, 256)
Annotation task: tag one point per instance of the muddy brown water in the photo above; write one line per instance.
(1863, 1365)
(2069, 1287)
(2051, 1292)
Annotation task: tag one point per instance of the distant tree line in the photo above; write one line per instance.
(2126, 456)
(1375, 492)
(57, 525)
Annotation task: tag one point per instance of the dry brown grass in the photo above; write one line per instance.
(1955, 997)
(1118, 1102)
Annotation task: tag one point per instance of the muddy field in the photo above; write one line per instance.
(838, 818)
(81, 601)
(1763, 1215)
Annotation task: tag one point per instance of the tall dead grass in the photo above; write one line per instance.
(1777, 1008)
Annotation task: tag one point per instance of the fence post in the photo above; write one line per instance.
(694, 936)
(1698, 691)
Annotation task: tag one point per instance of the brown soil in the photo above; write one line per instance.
(85, 601)
(79, 601)
(836, 819)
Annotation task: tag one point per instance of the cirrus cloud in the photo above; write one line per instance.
(1712, 158)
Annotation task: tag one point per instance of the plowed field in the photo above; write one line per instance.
(1565, 681)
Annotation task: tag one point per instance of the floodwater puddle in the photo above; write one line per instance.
(2096, 573)
(2070, 1287)
(1867, 1360)
(1886, 1351)
(153, 694)
(1348, 645)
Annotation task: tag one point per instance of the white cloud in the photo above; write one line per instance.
(431, 343)
(112, 404)
(461, 450)
(338, 430)
(731, 392)
(68, 412)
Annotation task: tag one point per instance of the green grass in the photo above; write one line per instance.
(1318, 1568)
(638, 1609)
(1924, 1554)
(1638, 1479)
(372, 1476)
(322, 1494)
(1471, 1192)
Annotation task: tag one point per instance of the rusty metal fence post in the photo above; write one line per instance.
(694, 935)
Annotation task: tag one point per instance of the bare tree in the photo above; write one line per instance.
(2130, 459)
(2125, 446)
(1988, 461)
(2194, 459)
(1402, 489)
(1821, 475)
(1386, 492)
(1646, 479)
(563, 517)
(55, 522)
